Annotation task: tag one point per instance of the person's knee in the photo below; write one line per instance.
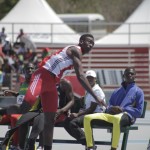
(24, 107)
(72, 124)
(116, 120)
(49, 118)
(67, 122)
(87, 118)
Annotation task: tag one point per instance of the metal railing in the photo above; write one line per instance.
(99, 30)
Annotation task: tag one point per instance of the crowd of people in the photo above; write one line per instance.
(49, 97)
(13, 56)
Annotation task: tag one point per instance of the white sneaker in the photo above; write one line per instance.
(92, 148)
(40, 148)
(12, 147)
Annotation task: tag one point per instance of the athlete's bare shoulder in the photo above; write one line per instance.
(74, 51)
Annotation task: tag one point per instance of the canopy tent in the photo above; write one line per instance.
(135, 30)
(40, 21)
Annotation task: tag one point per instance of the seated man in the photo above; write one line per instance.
(13, 118)
(74, 122)
(65, 101)
(125, 105)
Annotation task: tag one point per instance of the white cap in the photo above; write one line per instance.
(91, 73)
(7, 39)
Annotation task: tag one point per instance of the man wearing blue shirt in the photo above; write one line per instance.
(125, 105)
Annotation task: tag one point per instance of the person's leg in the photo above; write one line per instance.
(34, 89)
(43, 84)
(73, 127)
(23, 132)
(16, 109)
(118, 121)
(36, 129)
(5, 119)
(14, 118)
(88, 129)
(125, 120)
(38, 126)
(13, 109)
(67, 125)
(114, 119)
(3, 111)
(49, 98)
(41, 141)
(48, 129)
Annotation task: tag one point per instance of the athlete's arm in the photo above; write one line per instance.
(67, 88)
(76, 56)
(11, 93)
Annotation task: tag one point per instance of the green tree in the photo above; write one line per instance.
(112, 10)
(6, 6)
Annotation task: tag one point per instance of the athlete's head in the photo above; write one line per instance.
(86, 42)
(28, 70)
(129, 75)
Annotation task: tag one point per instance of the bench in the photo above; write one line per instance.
(6, 101)
(125, 130)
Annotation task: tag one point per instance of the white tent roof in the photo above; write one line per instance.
(41, 15)
(139, 28)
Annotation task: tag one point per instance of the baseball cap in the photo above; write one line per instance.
(7, 39)
(91, 73)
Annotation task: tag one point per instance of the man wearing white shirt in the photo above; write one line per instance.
(74, 122)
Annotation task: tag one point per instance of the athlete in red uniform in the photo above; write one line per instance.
(43, 82)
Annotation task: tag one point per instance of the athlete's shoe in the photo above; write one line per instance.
(12, 147)
(91, 148)
(30, 145)
(40, 148)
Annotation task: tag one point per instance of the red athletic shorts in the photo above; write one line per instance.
(43, 84)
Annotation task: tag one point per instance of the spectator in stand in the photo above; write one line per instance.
(45, 52)
(125, 105)
(18, 63)
(3, 35)
(22, 50)
(2, 55)
(28, 56)
(13, 118)
(1, 76)
(74, 122)
(7, 69)
(24, 38)
(7, 47)
(20, 35)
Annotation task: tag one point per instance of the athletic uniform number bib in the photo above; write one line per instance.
(20, 99)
